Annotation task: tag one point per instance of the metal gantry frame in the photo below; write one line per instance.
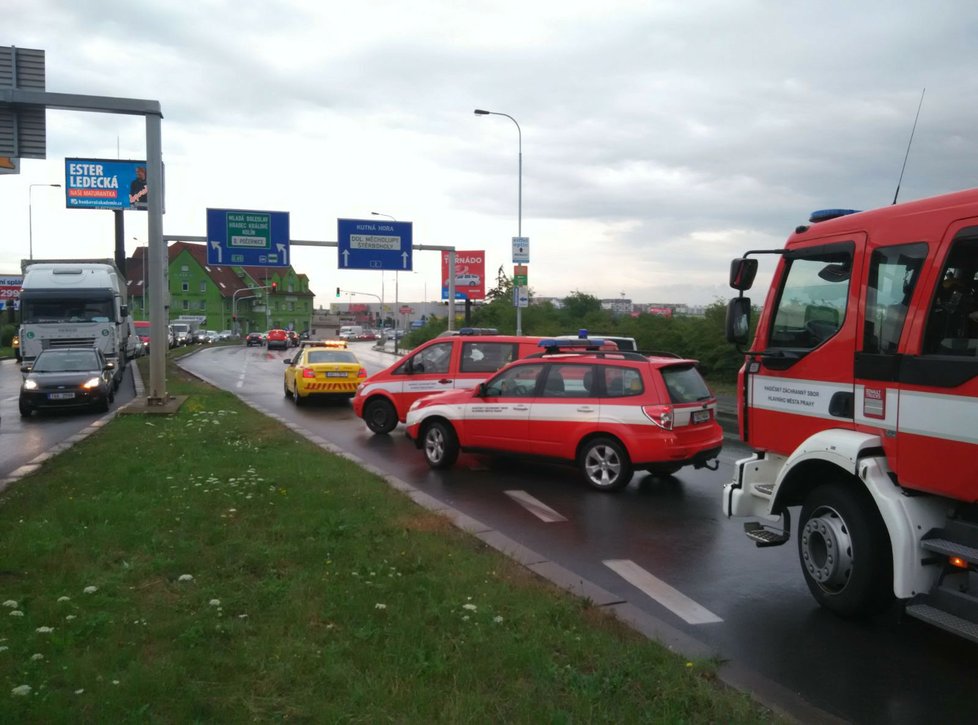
(153, 114)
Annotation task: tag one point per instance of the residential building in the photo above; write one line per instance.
(220, 293)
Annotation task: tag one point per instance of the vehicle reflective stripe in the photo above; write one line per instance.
(951, 417)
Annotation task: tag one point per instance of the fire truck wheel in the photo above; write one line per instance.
(605, 464)
(845, 551)
(380, 416)
(440, 444)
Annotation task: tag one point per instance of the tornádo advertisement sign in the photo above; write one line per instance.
(470, 275)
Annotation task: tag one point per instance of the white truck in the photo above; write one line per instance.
(74, 303)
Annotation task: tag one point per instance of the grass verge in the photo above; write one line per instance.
(211, 566)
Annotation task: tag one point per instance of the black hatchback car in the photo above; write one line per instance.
(73, 377)
(254, 338)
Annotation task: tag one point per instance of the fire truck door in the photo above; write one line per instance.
(937, 416)
(802, 381)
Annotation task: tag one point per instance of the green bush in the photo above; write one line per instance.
(7, 333)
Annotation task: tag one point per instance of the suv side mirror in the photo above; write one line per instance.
(737, 324)
(742, 273)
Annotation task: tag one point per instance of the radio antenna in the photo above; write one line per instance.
(900, 180)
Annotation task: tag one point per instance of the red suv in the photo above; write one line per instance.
(609, 413)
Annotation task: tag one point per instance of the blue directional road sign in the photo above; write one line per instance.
(380, 245)
(248, 238)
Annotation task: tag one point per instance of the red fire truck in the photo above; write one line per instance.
(859, 397)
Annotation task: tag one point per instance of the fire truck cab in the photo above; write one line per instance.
(859, 396)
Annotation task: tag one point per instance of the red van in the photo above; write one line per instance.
(441, 364)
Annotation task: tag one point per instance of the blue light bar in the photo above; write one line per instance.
(571, 343)
(823, 215)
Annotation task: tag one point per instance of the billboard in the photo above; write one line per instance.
(10, 285)
(470, 275)
(106, 184)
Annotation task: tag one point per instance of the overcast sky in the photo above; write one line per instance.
(660, 139)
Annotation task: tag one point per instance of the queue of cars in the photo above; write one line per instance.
(576, 400)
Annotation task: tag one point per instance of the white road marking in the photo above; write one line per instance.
(672, 599)
(535, 506)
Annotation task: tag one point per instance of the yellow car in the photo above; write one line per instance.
(321, 371)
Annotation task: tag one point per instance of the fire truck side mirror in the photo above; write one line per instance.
(742, 273)
(738, 320)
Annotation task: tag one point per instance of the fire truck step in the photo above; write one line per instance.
(762, 490)
(945, 620)
(763, 536)
(951, 548)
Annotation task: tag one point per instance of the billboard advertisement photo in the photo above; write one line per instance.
(470, 275)
(106, 184)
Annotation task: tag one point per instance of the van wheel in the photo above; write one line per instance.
(844, 551)
(380, 416)
(605, 464)
(440, 445)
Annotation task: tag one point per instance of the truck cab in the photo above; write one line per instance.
(859, 396)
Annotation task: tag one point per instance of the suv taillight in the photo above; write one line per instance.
(661, 415)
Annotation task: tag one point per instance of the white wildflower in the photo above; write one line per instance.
(90, 590)
(21, 690)
(465, 618)
(497, 619)
(3, 648)
(215, 602)
(70, 617)
(44, 630)
(185, 578)
(78, 692)
(470, 607)
(115, 682)
(64, 599)
(16, 613)
(242, 616)
(10, 603)
(380, 606)
(37, 656)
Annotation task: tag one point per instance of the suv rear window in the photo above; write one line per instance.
(685, 384)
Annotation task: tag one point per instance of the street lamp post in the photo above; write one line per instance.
(519, 208)
(377, 213)
(30, 215)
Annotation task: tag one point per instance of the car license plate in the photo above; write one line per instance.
(336, 375)
(60, 396)
(701, 416)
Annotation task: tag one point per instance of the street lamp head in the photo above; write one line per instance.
(480, 112)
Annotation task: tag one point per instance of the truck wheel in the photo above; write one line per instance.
(605, 464)
(380, 416)
(845, 551)
(440, 445)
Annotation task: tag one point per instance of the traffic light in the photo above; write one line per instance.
(274, 287)
(337, 291)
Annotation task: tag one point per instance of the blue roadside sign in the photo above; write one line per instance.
(379, 245)
(246, 238)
